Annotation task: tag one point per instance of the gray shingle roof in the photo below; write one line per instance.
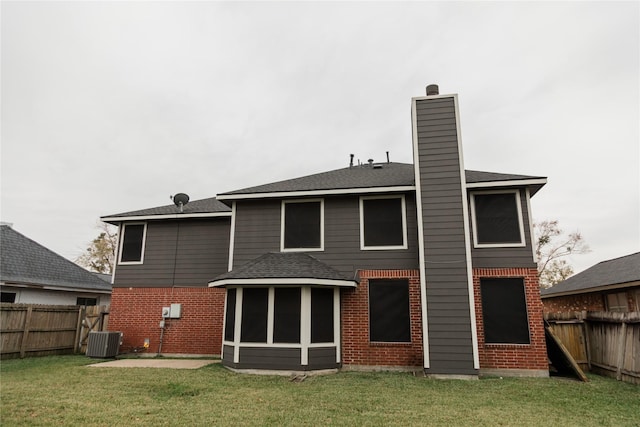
(286, 265)
(210, 205)
(382, 175)
(606, 273)
(24, 261)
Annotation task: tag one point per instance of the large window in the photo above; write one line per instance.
(321, 315)
(302, 225)
(132, 246)
(497, 219)
(286, 315)
(276, 315)
(255, 303)
(382, 223)
(504, 311)
(389, 314)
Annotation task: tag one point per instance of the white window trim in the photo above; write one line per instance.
(520, 244)
(282, 229)
(142, 250)
(404, 223)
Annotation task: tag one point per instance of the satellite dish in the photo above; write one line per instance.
(180, 200)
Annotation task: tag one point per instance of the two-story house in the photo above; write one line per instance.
(381, 265)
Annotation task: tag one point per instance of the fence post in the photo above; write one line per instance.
(76, 341)
(25, 333)
(621, 349)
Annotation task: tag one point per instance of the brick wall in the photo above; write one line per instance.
(356, 348)
(516, 356)
(587, 302)
(137, 313)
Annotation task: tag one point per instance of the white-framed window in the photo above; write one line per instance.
(389, 311)
(383, 222)
(504, 310)
(132, 242)
(302, 225)
(496, 217)
(617, 302)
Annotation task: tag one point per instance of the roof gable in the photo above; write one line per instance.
(612, 272)
(24, 261)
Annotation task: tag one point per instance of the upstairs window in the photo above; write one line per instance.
(382, 223)
(302, 225)
(497, 219)
(132, 246)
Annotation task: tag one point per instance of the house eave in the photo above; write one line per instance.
(307, 193)
(299, 281)
(28, 285)
(118, 219)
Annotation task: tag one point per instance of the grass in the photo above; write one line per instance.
(62, 391)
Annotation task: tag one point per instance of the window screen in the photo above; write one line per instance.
(497, 219)
(617, 302)
(382, 222)
(302, 225)
(321, 315)
(132, 243)
(504, 311)
(389, 317)
(86, 301)
(230, 315)
(254, 315)
(8, 297)
(286, 315)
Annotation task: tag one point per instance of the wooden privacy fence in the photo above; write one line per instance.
(37, 330)
(605, 343)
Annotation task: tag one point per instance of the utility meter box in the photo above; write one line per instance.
(166, 312)
(176, 311)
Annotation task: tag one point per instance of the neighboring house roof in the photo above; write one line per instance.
(25, 262)
(198, 208)
(614, 273)
(283, 268)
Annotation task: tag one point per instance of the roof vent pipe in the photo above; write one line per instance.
(387, 157)
(351, 161)
(433, 90)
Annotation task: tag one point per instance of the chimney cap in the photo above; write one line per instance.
(433, 90)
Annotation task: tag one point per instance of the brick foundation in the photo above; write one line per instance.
(356, 348)
(137, 312)
(531, 356)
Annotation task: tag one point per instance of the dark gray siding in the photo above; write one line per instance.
(449, 322)
(258, 231)
(180, 253)
(322, 358)
(269, 358)
(506, 257)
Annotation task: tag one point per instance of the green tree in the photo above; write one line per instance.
(553, 247)
(101, 253)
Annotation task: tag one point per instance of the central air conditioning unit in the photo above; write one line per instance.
(103, 344)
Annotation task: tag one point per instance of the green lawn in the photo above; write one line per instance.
(62, 391)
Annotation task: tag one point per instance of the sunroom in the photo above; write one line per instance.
(282, 312)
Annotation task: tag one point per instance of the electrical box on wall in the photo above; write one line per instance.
(176, 311)
(166, 312)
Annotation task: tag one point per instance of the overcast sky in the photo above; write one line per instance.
(112, 107)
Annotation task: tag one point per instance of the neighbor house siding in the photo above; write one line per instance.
(258, 231)
(510, 256)
(179, 253)
(450, 335)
